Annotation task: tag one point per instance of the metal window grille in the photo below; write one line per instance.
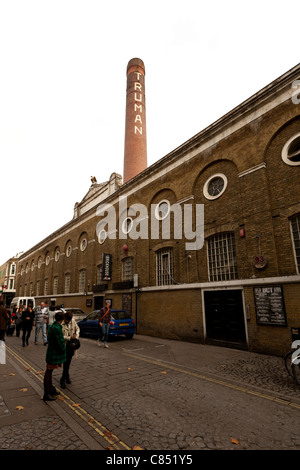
(99, 274)
(38, 288)
(164, 267)
(222, 257)
(67, 283)
(127, 269)
(55, 285)
(295, 227)
(46, 287)
(82, 280)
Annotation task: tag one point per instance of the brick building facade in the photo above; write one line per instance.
(242, 287)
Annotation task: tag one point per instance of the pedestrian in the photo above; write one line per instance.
(71, 332)
(104, 322)
(55, 355)
(27, 322)
(40, 321)
(18, 319)
(4, 319)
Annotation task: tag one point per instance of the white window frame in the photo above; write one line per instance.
(164, 267)
(221, 257)
(127, 269)
(296, 251)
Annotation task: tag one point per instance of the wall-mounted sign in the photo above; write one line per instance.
(106, 267)
(269, 304)
(260, 261)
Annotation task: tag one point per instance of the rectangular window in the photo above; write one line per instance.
(67, 283)
(46, 287)
(55, 285)
(38, 288)
(99, 274)
(127, 269)
(295, 228)
(164, 267)
(221, 255)
(82, 280)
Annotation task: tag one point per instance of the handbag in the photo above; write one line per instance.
(74, 344)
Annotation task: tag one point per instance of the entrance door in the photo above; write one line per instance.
(98, 302)
(224, 315)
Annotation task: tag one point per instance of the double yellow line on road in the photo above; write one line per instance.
(99, 428)
(213, 380)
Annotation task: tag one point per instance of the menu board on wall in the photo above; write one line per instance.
(269, 304)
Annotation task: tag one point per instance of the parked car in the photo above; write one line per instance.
(123, 324)
(78, 314)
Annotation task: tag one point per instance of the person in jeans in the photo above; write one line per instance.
(104, 322)
(70, 331)
(40, 322)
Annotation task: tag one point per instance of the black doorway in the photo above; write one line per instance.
(224, 315)
(98, 302)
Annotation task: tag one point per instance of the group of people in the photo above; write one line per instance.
(61, 338)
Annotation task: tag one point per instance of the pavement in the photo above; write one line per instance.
(149, 394)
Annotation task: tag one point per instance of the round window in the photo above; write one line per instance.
(127, 225)
(162, 210)
(57, 255)
(83, 244)
(69, 250)
(47, 260)
(102, 236)
(291, 151)
(215, 186)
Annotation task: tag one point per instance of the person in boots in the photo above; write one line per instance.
(27, 322)
(70, 331)
(55, 355)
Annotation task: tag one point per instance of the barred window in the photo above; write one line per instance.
(99, 274)
(55, 285)
(67, 283)
(82, 280)
(165, 267)
(222, 257)
(295, 228)
(127, 269)
(38, 288)
(46, 287)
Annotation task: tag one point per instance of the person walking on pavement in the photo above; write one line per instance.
(104, 322)
(4, 318)
(55, 355)
(27, 322)
(18, 319)
(70, 331)
(40, 322)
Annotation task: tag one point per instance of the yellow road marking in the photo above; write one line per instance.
(99, 428)
(215, 381)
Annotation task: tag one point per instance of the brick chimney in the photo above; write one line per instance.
(135, 151)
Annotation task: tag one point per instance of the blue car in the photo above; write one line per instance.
(123, 324)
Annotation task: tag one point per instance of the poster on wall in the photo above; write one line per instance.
(269, 305)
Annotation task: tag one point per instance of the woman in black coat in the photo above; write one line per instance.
(27, 322)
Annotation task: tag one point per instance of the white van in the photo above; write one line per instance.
(25, 301)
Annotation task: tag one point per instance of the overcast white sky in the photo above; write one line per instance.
(63, 89)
